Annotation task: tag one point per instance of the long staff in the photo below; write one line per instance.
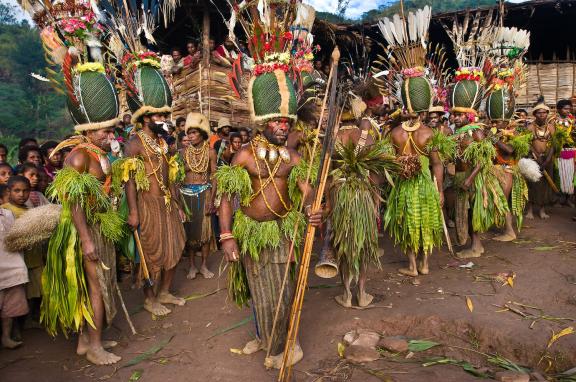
(336, 53)
(142, 259)
(444, 227)
(331, 131)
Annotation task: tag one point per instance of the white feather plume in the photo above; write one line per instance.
(529, 169)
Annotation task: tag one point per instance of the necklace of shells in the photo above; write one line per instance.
(266, 150)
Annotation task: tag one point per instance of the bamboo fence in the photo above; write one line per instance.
(553, 80)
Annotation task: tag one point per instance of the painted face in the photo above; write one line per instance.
(102, 138)
(541, 115)
(19, 193)
(277, 131)
(32, 176)
(433, 120)
(34, 157)
(3, 155)
(5, 174)
(157, 123)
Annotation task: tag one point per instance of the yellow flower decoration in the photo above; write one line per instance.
(173, 168)
(90, 67)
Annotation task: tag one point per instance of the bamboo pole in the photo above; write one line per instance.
(294, 324)
(295, 230)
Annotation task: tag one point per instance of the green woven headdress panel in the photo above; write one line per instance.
(466, 96)
(272, 95)
(97, 103)
(416, 94)
(154, 94)
(500, 105)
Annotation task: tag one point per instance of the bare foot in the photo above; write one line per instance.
(9, 343)
(468, 253)
(252, 346)
(364, 299)
(84, 345)
(156, 308)
(206, 272)
(505, 237)
(423, 269)
(345, 300)
(99, 356)
(530, 215)
(168, 298)
(192, 273)
(408, 272)
(543, 214)
(451, 224)
(276, 360)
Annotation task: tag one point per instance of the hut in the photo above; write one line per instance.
(551, 58)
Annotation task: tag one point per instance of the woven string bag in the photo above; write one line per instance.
(416, 94)
(500, 105)
(272, 95)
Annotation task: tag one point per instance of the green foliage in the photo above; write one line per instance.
(413, 216)
(234, 180)
(390, 8)
(521, 145)
(29, 107)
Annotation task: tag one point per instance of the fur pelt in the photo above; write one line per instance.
(33, 227)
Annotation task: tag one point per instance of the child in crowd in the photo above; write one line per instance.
(31, 172)
(13, 278)
(19, 193)
(5, 173)
(3, 194)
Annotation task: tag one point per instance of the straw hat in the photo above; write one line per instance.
(197, 121)
(436, 109)
(540, 106)
(223, 122)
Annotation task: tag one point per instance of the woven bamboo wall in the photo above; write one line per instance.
(552, 80)
(208, 91)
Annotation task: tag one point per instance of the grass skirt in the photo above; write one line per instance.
(413, 215)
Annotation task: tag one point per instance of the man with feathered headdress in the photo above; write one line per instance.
(270, 181)
(79, 279)
(414, 212)
(477, 210)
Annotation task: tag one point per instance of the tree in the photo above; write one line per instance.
(28, 107)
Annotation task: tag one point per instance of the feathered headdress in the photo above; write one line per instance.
(130, 24)
(505, 71)
(407, 39)
(472, 39)
(72, 34)
(279, 41)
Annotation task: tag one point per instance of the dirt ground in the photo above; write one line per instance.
(432, 307)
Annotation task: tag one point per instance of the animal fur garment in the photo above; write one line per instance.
(33, 227)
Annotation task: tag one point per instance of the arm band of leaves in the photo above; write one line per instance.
(234, 180)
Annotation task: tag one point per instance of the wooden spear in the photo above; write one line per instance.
(328, 145)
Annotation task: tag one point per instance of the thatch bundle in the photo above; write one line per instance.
(207, 90)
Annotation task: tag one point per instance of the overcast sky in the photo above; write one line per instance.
(355, 9)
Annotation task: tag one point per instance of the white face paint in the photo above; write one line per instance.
(163, 125)
(115, 146)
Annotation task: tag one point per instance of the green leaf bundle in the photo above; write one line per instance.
(234, 180)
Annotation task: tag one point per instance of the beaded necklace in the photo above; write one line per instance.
(270, 180)
(197, 159)
(159, 151)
